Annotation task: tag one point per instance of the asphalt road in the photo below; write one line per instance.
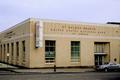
(62, 76)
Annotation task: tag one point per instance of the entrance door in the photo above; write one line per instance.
(99, 59)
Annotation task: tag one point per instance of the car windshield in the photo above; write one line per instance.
(112, 64)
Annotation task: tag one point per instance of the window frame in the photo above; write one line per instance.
(75, 53)
(50, 48)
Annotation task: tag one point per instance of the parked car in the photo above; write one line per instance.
(108, 67)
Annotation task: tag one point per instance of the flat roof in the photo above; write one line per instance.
(60, 21)
(76, 22)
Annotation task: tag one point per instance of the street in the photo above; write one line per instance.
(61, 76)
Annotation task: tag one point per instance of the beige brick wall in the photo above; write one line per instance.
(17, 33)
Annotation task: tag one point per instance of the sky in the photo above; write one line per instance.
(92, 11)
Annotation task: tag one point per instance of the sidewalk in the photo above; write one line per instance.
(59, 70)
(2, 65)
(62, 70)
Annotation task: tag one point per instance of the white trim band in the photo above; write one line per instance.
(81, 36)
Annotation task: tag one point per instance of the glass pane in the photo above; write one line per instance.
(47, 43)
(99, 48)
(49, 51)
(75, 50)
(52, 43)
(52, 48)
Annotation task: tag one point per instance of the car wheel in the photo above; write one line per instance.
(106, 69)
(119, 70)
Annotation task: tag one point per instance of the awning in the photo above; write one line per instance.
(100, 53)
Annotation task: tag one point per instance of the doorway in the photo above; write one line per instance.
(99, 59)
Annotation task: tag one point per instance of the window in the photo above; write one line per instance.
(7, 52)
(23, 46)
(4, 51)
(17, 48)
(1, 51)
(75, 51)
(99, 48)
(23, 50)
(12, 49)
(8, 48)
(49, 51)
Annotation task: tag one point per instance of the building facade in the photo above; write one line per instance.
(36, 43)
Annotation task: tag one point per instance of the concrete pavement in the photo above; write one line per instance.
(2, 65)
(52, 70)
(19, 70)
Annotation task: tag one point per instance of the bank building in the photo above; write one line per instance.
(43, 43)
